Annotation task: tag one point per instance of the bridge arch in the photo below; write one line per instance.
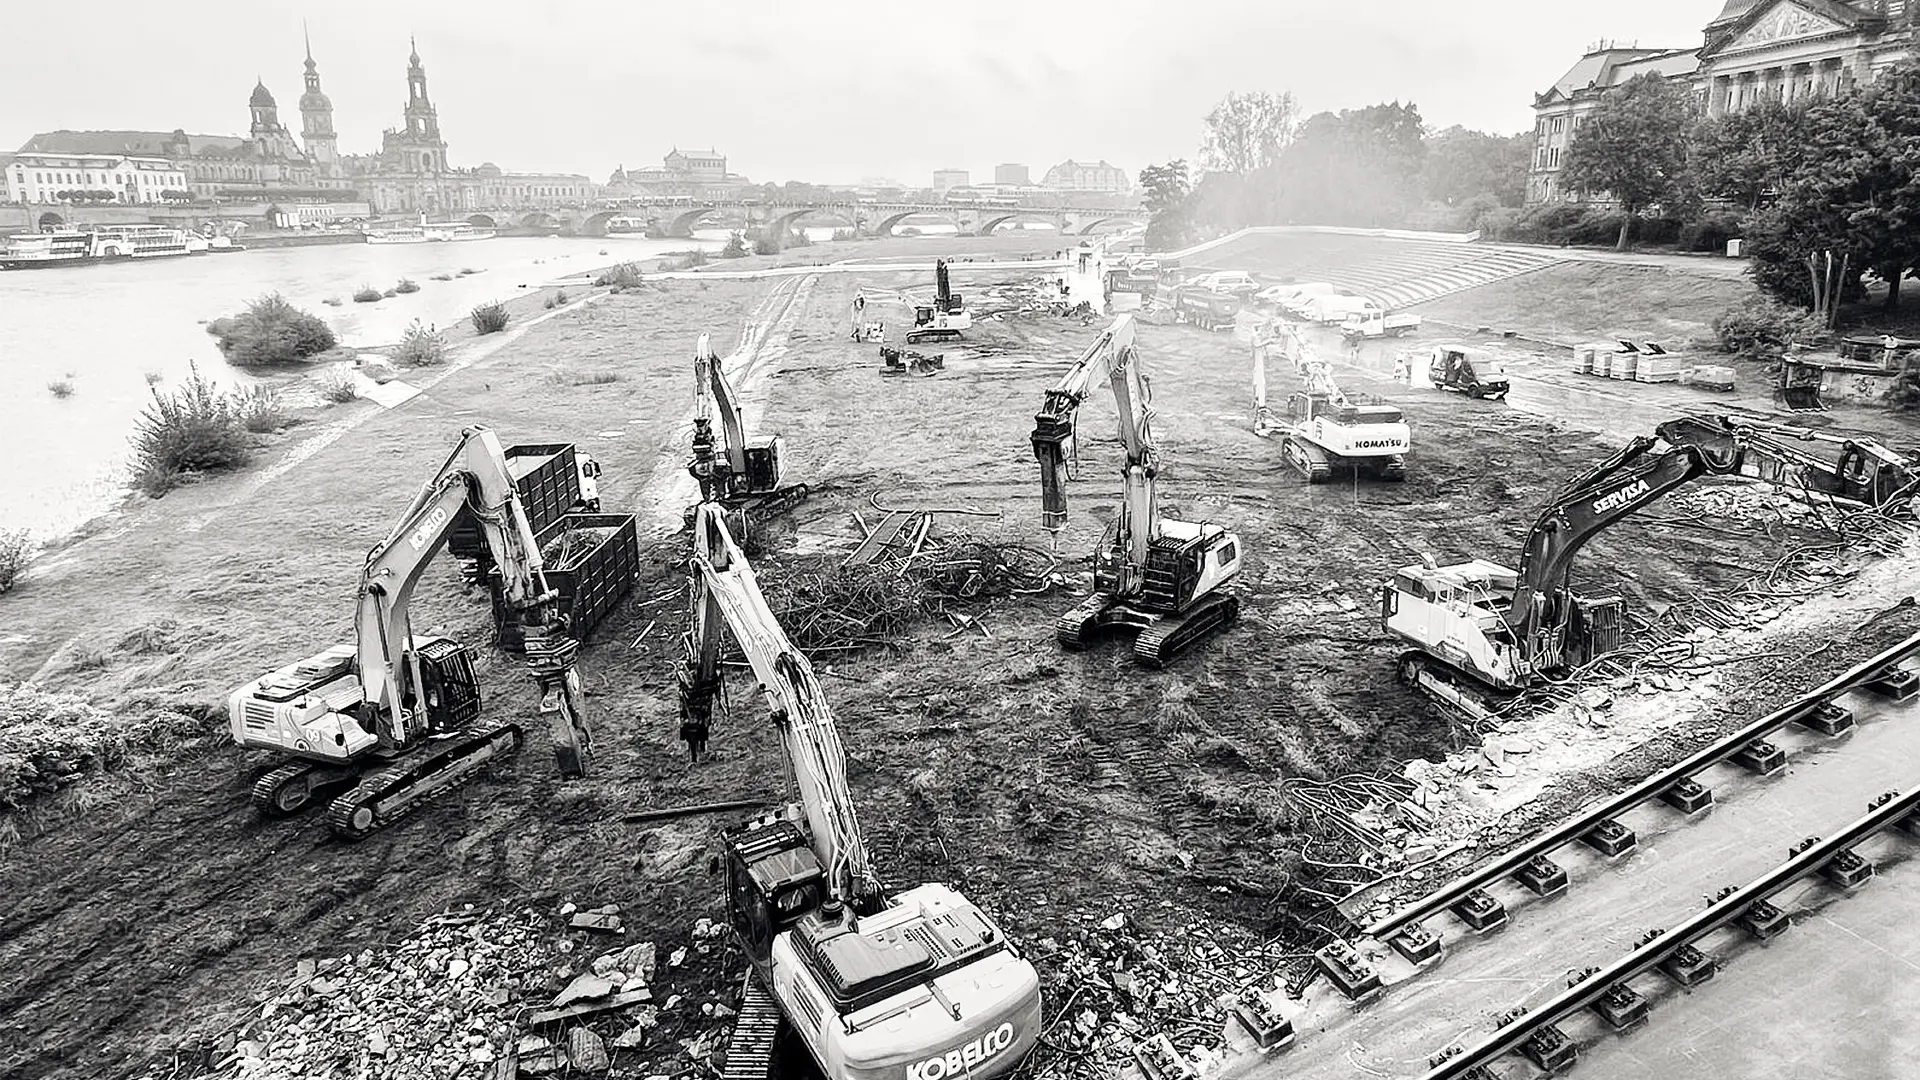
(539, 219)
(596, 225)
(684, 224)
(891, 221)
(1090, 227)
(990, 222)
(484, 221)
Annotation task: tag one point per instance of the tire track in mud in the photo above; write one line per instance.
(668, 490)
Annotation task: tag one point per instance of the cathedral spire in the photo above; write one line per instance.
(307, 39)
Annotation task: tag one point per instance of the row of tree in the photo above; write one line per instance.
(1828, 184)
(1260, 163)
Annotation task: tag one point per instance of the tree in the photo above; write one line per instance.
(736, 246)
(1247, 132)
(1633, 146)
(1850, 200)
(1462, 164)
(1164, 191)
(1744, 156)
(1354, 167)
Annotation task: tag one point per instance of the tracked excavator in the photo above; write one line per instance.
(1165, 578)
(1480, 632)
(379, 727)
(1324, 433)
(915, 985)
(743, 475)
(946, 318)
(1810, 462)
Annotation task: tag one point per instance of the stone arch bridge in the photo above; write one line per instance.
(866, 219)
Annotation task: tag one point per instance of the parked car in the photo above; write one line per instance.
(1237, 282)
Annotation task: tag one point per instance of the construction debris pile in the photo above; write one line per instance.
(1112, 983)
(472, 994)
(826, 607)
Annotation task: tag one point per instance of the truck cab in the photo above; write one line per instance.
(1469, 371)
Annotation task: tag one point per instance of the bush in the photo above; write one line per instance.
(1764, 329)
(186, 433)
(366, 294)
(620, 276)
(466, 270)
(61, 388)
(766, 246)
(271, 331)
(489, 318)
(560, 296)
(736, 246)
(333, 301)
(406, 286)
(389, 294)
(846, 234)
(420, 346)
(1712, 230)
(258, 409)
(338, 387)
(13, 556)
(443, 277)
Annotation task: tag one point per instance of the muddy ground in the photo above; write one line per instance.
(145, 909)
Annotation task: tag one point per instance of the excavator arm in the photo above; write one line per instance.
(1541, 610)
(1805, 460)
(726, 592)
(1111, 359)
(475, 476)
(711, 390)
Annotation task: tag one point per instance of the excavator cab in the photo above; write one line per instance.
(763, 463)
(773, 878)
(449, 689)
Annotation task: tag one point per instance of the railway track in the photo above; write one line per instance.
(1591, 929)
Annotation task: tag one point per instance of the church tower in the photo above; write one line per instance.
(316, 115)
(270, 139)
(428, 150)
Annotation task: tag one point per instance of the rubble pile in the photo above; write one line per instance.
(1111, 983)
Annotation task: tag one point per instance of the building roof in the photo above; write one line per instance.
(126, 142)
(1733, 10)
(1606, 68)
(1723, 30)
(262, 98)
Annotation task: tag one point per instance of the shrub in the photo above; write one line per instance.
(406, 286)
(421, 346)
(338, 387)
(258, 409)
(489, 318)
(61, 388)
(1764, 329)
(366, 294)
(271, 331)
(443, 277)
(191, 431)
(549, 304)
(797, 238)
(846, 234)
(388, 295)
(766, 246)
(596, 377)
(465, 270)
(13, 556)
(333, 301)
(560, 296)
(1712, 230)
(736, 246)
(620, 276)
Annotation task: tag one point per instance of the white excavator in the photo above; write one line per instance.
(916, 985)
(1165, 578)
(383, 725)
(1481, 632)
(1324, 433)
(946, 318)
(743, 476)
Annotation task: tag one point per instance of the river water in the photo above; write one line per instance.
(108, 328)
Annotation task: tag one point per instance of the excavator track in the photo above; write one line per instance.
(1307, 459)
(290, 788)
(1449, 687)
(755, 1032)
(1078, 628)
(388, 794)
(1392, 468)
(1171, 637)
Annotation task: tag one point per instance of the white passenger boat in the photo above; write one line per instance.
(425, 232)
(79, 247)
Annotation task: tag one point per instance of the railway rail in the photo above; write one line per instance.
(1524, 954)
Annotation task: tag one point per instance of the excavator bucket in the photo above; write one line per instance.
(1803, 398)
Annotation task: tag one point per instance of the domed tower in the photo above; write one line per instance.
(316, 115)
(270, 138)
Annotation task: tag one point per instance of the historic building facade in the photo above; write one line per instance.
(1071, 175)
(698, 174)
(44, 178)
(1753, 50)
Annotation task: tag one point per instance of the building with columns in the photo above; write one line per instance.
(1753, 50)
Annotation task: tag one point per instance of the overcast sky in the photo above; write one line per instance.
(806, 89)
